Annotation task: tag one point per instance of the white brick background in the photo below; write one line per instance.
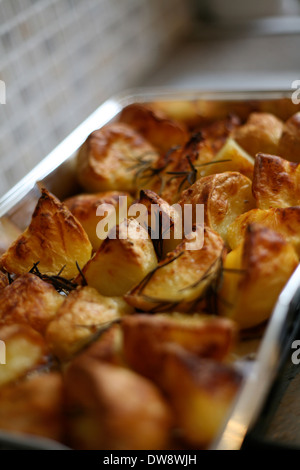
(60, 59)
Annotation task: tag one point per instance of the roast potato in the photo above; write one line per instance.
(224, 196)
(110, 157)
(54, 239)
(164, 222)
(156, 127)
(181, 166)
(218, 131)
(285, 221)
(200, 392)
(25, 351)
(30, 301)
(182, 277)
(254, 275)
(144, 337)
(231, 157)
(34, 407)
(289, 144)
(90, 209)
(260, 134)
(121, 262)
(79, 320)
(276, 182)
(116, 409)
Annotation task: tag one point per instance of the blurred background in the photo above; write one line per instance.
(60, 59)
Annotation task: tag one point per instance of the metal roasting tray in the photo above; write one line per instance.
(57, 173)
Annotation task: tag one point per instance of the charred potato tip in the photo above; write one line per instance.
(54, 239)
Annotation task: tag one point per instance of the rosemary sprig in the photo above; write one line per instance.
(157, 242)
(190, 176)
(61, 284)
(10, 278)
(84, 281)
(145, 171)
(187, 176)
(212, 162)
(141, 161)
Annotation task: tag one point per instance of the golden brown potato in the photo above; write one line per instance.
(30, 301)
(289, 144)
(25, 351)
(144, 336)
(54, 239)
(254, 275)
(9, 232)
(178, 168)
(182, 165)
(109, 158)
(200, 392)
(186, 112)
(285, 221)
(224, 196)
(80, 319)
(107, 347)
(163, 222)
(217, 132)
(34, 406)
(260, 134)
(154, 175)
(85, 207)
(231, 157)
(276, 182)
(121, 262)
(182, 277)
(116, 409)
(160, 130)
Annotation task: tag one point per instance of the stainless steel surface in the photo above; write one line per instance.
(57, 173)
(259, 381)
(10, 441)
